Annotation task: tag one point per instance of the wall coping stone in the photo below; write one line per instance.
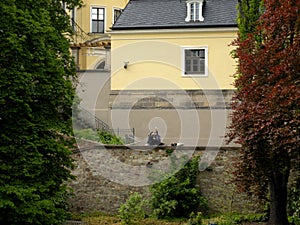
(150, 148)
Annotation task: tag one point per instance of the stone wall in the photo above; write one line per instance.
(170, 99)
(216, 186)
(94, 192)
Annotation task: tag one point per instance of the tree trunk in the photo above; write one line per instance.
(278, 198)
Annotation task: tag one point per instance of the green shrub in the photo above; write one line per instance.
(104, 137)
(132, 210)
(229, 220)
(108, 138)
(294, 200)
(294, 220)
(195, 219)
(177, 196)
(88, 134)
(232, 219)
(169, 151)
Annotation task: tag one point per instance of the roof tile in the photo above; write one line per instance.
(142, 14)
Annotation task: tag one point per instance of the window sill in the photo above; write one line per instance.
(194, 75)
(95, 33)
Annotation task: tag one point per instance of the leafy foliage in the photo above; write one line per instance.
(133, 210)
(249, 12)
(36, 94)
(294, 200)
(108, 138)
(195, 219)
(104, 219)
(87, 134)
(265, 120)
(241, 218)
(177, 196)
(104, 137)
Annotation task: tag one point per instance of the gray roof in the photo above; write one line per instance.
(147, 14)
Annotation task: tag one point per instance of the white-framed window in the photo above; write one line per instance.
(194, 10)
(97, 19)
(116, 13)
(195, 61)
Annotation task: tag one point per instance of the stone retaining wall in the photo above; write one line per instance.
(94, 192)
(216, 186)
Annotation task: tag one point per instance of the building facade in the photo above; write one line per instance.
(167, 66)
(90, 47)
(92, 23)
(171, 68)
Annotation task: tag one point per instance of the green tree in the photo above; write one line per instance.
(265, 118)
(36, 94)
(249, 12)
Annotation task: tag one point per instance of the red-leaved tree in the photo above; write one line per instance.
(265, 118)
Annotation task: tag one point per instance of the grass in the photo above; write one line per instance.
(104, 219)
(114, 220)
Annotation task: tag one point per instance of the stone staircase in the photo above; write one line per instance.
(84, 119)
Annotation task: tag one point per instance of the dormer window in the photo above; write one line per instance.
(194, 10)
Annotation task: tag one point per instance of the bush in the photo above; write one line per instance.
(88, 134)
(195, 219)
(132, 210)
(169, 151)
(294, 200)
(232, 219)
(177, 195)
(101, 136)
(294, 220)
(110, 139)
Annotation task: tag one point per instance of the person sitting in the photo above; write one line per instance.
(157, 138)
(154, 138)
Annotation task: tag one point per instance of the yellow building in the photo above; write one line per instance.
(168, 55)
(92, 23)
(186, 42)
(168, 66)
(90, 47)
(171, 69)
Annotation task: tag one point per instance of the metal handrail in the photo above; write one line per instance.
(99, 124)
(80, 33)
(95, 123)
